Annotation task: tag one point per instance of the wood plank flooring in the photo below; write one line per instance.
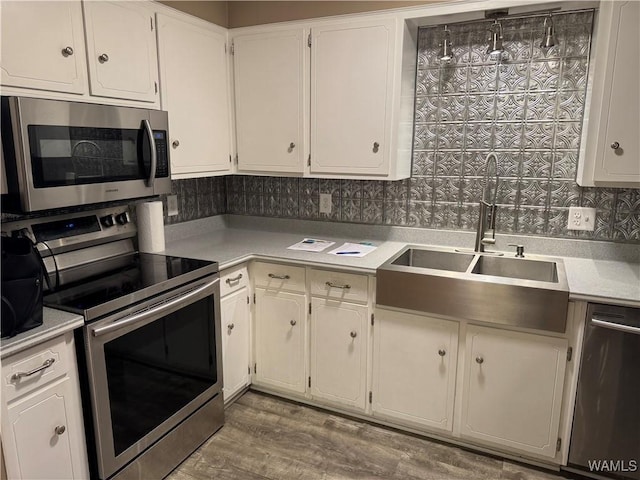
(269, 438)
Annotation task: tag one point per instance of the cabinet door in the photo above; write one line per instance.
(280, 339)
(414, 368)
(512, 389)
(351, 85)
(339, 352)
(270, 90)
(43, 46)
(39, 430)
(621, 116)
(194, 90)
(235, 341)
(121, 50)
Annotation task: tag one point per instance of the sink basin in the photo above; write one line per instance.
(520, 268)
(521, 292)
(435, 259)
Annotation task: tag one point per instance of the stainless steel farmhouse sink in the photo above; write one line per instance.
(434, 259)
(519, 268)
(527, 292)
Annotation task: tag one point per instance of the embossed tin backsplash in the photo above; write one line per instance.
(527, 108)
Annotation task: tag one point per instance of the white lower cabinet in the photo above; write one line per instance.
(512, 390)
(235, 311)
(339, 352)
(42, 429)
(414, 369)
(280, 339)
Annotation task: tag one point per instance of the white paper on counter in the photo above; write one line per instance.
(353, 250)
(311, 245)
(150, 227)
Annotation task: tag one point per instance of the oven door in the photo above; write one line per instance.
(150, 367)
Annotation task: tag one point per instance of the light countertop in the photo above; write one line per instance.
(229, 242)
(54, 323)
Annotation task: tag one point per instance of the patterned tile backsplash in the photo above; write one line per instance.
(527, 107)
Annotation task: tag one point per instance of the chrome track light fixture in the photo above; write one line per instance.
(445, 55)
(549, 39)
(495, 49)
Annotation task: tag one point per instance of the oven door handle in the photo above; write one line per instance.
(140, 317)
(154, 153)
(602, 321)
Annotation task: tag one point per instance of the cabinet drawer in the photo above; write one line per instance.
(339, 285)
(233, 279)
(278, 277)
(56, 353)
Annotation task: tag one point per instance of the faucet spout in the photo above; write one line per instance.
(486, 233)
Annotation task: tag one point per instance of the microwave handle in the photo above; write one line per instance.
(154, 153)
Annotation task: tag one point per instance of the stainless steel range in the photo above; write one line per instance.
(150, 350)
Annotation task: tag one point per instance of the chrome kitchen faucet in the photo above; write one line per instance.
(486, 234)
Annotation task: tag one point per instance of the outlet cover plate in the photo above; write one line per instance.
(325, 203)
(172, 205)
(582, 218)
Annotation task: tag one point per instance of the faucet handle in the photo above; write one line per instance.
(519, 249)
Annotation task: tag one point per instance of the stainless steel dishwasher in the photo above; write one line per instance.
(605, 439)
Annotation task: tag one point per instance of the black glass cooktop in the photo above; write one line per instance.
(144, 272)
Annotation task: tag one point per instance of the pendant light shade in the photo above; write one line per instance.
(495, 48)
(549, 39)
(445, 56)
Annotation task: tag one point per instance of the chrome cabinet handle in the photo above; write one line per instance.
(442, 353)
(615, 145)
(234, 279)
(104, 58)
(279, 277)
(479, 360)
(293, 323)
(47, 363)
(376, 146)
(353, 334)
(231, 326)
(175, 143)
(60, 429)
(291, 147)
(346, 286)
(599, 320)
(67, 51)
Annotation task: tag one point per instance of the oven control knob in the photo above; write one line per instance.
(123, 218)
(107, 220)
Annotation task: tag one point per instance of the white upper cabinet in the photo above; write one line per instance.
(326, 99)
(271, 89)
(42, 46)
(611, 152)
(121, 50)
(351, 97)
(194, 90)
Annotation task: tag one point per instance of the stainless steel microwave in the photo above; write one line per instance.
(63, 154)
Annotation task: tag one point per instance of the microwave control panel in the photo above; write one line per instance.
(162, 167)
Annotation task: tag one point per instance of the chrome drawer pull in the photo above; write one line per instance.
(479, 360)
(293, 323)
(279, 277)
(354, 334)
(442, 352)
(60, 429)
(47, 363)
(234, 279)
(346, 286)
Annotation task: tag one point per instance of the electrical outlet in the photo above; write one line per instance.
(325, 203)
(581, 218)
(172, 205)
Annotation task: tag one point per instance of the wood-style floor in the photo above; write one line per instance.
(269, 438)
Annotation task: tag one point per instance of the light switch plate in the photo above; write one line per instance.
(582, 218)
(172, 205)
(325, 203)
